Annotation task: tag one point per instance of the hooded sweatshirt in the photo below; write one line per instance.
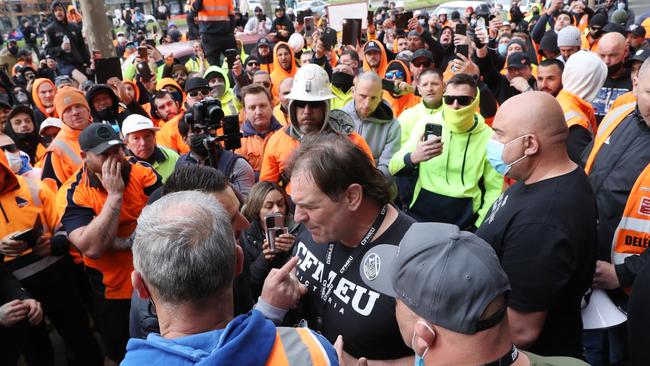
(402, 102)
(40, 114)
(381, 130)
(383, 62)
(79, 56)
(279, 73)
(584, 75)
(229, 102)
(450, 186)
(29, 143)
(247, 340)
(115, 114)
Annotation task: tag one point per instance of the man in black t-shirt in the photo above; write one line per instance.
(612, 49)
(543, 228)
(343, 202)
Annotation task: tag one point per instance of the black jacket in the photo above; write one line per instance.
(79, 56)
(114, 116)
(496, 82)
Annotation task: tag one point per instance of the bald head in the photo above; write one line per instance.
(642, 91)
(612, 49)
(533, 113)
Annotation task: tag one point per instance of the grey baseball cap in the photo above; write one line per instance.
(444, 275)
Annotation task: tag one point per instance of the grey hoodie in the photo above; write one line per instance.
(382, 132)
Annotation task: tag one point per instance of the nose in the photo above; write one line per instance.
(299, 215)
(240, 223)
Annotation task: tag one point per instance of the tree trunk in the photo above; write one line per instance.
(97, 28)
(12, 15)
(266, 7)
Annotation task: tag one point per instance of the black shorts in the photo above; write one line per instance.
(112, 321)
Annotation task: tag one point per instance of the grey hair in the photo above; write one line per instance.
(369, 75)
(184, 247)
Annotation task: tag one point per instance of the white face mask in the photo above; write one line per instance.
(15, 162)
(419, 359)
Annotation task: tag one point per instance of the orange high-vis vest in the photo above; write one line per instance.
(215, 11)
(632, 236)
(577, 111)
(296, 346)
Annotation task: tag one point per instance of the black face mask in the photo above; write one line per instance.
(47, 140)
(23, 137)
(342, 81)
(597, 33)
(105, 114)
(13, 50)
(196, 145)
(611, 70)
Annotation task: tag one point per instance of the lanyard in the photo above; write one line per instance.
(506, 360)
(326, 286)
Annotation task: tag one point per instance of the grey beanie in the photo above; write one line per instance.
(519, 42)
(619, 17)
(569, 36)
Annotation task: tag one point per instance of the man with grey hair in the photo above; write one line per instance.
(374, 119)
(185, 259)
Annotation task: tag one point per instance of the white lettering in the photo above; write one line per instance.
(342, 288)
(370, 303)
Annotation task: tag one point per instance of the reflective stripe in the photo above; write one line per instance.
(294, 349)
(34, 191)
(619, 258)
(35, 267)
(318, 353)
(67, 150)
(215, 7)
(612, 116)
(207, 18)
(631, 223)
(571, 114)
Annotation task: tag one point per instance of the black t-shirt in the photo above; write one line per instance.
(545, 236)
(365, 318)
(607, 94)
(638, 319)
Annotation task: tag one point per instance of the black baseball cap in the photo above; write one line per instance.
(263, 42)
(518, 60)
(636, 30)
(372, 46)
(196, 83)
(422, 52)
(640, 55)
(98, 137)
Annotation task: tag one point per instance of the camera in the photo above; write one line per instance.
(206, 119)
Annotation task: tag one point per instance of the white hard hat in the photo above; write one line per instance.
(311, 83)
(296, 42)
(50, 122)
(135, 123)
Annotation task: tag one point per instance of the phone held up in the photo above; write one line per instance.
(274, 228)
(432, 130)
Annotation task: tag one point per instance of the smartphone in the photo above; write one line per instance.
(461, 29)
(30, 236)
(143, 52)
(402, 20)
(351, 31)
(150, 42)
(480, 23)
(463, 49)
(371, 17)
(432, 130)
(309, 26)
(231, 57)
(231, 129)
(300, 17)
(274, 228)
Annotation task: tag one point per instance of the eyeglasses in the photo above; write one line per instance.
(265, 84)
(195, 93)
(426, 64)
(461, 99)
(395, 74)
(179, 75)
(310, 103)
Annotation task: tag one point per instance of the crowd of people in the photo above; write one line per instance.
(452, 192)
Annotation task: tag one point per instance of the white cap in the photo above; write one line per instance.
(569, 37)
(50, 122)
(135, 123)
(296, 42)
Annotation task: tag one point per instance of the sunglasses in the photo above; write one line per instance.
(395, 74)
(179, 75)
(195, 93)
(253, 64)
(311, 104)
(423, 63)
(461, 99)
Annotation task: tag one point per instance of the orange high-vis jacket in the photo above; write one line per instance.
(281, 145)
(169, 136)
(399, 104)
(623, 99)
(215, 11)
(577, 111)
(62, 157)
(632, 236)
(280, 73)
(82, 198)
(37, 100)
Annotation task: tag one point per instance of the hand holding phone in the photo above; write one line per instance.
(274, 227)
(231, 56)
(431, 130)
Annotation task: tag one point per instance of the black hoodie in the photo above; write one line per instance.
(25, 142)
(112, 115)
(78, 56)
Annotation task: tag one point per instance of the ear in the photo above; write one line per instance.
(138, 285)
(239, 260)
(531, 146)
(83, 155)
(424, 337)
(353, 196)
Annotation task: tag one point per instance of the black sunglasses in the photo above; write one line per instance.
(426, 64)
(311, 104)
(462, 99)
(195, 93)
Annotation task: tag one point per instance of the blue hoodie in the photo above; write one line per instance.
(247, 340)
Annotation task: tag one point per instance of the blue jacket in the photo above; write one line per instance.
(247, 340)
